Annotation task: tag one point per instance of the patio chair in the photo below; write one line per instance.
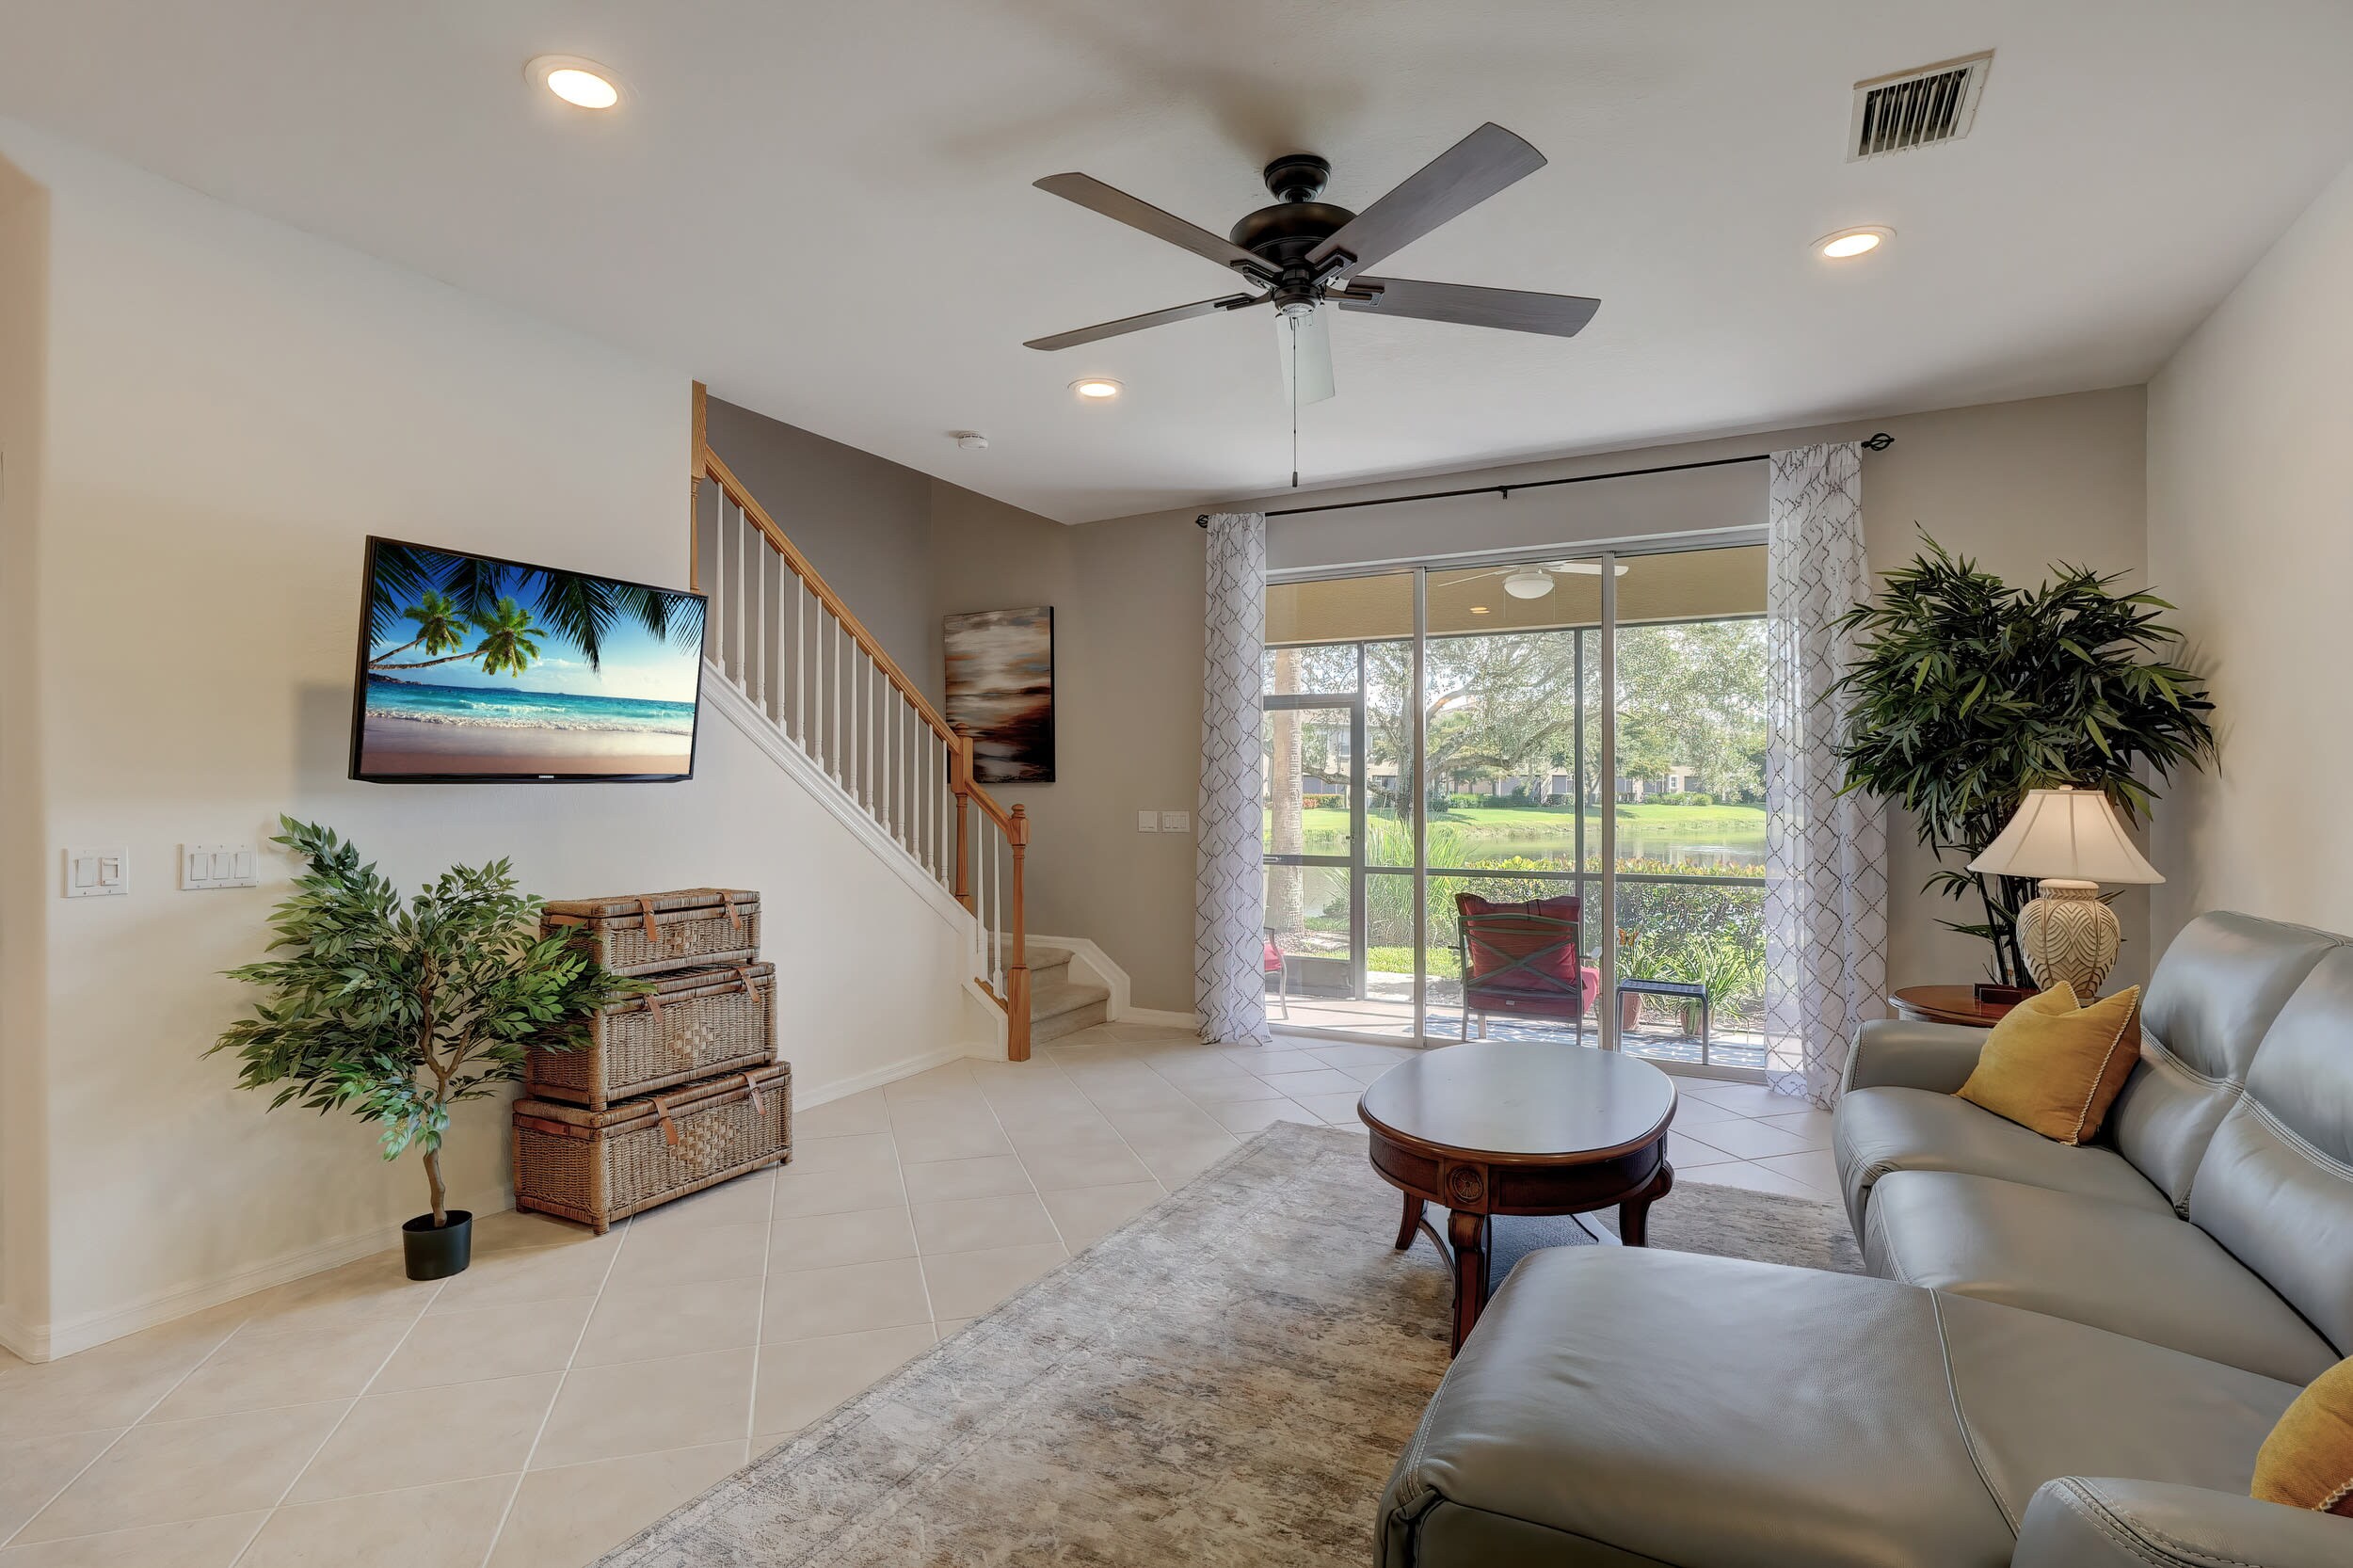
(1521, 960)
(1271, 961)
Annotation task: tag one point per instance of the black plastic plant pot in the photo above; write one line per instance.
(436, 1254)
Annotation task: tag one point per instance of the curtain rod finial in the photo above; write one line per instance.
(1879, 441)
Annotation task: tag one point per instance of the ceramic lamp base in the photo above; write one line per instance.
(2068, 935)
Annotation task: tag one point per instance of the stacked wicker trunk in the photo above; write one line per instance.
(675, 1090)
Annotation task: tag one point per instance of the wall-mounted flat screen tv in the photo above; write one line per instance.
(477, 670)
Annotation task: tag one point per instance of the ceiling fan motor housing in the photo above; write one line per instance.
(1284, 233)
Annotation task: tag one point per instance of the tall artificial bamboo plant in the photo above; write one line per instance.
(1968, 693)
(396, 1011)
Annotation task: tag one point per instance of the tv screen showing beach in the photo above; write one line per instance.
(472, 668)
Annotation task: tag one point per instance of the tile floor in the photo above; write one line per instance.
(568, 1389)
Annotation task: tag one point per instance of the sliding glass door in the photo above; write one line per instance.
(1571, 745)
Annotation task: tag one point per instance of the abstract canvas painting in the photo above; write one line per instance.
(1000, 687)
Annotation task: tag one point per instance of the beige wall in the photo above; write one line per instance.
(2016, 484)
(229, 407)
(864, 522)
(2251, 525)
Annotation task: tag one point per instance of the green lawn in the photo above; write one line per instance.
(1730, 835)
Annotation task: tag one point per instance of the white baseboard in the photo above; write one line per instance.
(875, 1077)
(49, 1341)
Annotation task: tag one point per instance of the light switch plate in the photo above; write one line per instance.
(204, 867)
(1176, 822)
(104, 872)
(1147, 822)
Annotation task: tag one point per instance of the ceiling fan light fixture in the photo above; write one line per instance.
(1096, 388)
(582, 84)
(1846, 244)
(1529, 583)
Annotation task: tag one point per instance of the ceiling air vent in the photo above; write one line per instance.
(1916, 108)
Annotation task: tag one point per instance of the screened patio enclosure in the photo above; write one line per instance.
(1592, 732)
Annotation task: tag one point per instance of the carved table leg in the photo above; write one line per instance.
(1412, 1222)
(1634, 1213)
(1469, 1234)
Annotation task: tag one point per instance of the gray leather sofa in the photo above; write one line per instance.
(2068, 1359)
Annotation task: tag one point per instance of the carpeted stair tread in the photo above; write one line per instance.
(1057, 997)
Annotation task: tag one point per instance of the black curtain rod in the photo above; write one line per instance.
(1879, 442)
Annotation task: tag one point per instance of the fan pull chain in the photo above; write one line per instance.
(1293, 323)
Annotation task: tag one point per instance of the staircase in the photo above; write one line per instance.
(1060, 1005)
(785, 642)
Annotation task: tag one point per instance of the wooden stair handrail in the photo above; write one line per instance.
(1012, 823)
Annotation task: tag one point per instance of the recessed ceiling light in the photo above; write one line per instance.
(1096, 388)
(1479, 609)
(1849, 243)
(582, 84)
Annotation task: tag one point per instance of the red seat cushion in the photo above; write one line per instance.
(1524, 956)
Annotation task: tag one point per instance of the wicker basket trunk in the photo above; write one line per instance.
(598, 1166)
(697, 1023)
(644, 933)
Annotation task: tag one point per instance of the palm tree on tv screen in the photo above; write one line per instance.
(444, 595)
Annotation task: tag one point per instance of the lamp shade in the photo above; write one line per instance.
(2073, 835)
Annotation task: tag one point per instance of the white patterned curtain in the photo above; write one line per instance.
(1229, 886)
(1825, 851)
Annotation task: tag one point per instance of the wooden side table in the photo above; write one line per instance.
(1947, 1004)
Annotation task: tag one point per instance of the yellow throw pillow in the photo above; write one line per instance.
(2307, 1462)
(2056, 1067)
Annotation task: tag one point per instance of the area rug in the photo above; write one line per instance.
(1222, 1383)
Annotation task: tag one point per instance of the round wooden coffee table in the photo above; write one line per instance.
(1511, 1126)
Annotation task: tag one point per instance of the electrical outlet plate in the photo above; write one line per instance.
(204, 867)
(1147, 822)
(104, 872)
(1176, 822)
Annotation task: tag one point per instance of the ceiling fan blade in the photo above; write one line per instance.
(1306, 344)
(1560, 315)
(1137, 324)
(1446, 188)
(1112, 202)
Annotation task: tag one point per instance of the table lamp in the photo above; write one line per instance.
(2071, 840)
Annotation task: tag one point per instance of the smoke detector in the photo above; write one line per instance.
(969, 440)
(1918, 107)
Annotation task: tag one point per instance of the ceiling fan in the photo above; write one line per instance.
(1301, 255)
(1533, 579)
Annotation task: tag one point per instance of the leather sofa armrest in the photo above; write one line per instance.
(1898, 1053)
(2078, 1522)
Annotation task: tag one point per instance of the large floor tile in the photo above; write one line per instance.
(1178, 1161)
(812, 1303)
(488, 1342)
(1685, 1152)
(541, 1274)
(35, 1469)
(988, 1176)
(967, 1284)
(835, 1188)
(264, 1365)
(1086, 1214)
(1093, 1160)
(647, 1406)
(569, 1517)
(741, 1201)
(111, 1385)
(1742, 1173)
(1318, 1080)
(1334, 1110)
(423, 1436)
(697, 1255)
(833, 1241)
(802, 1379)
(1244, 1117)
(200, 1543)
(934, 1131)
(653, 1322)
(968, 1224)
(375, 1287)
(1814, 1167)
(1750, 1139)
(863, 1112)
(449, 1526)
(179, 1470)
(1811, 1126)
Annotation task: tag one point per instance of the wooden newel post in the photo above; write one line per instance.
(1018, 970)
(960, 781)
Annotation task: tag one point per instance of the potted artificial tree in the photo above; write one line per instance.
(1967, 693)
(399, 1013)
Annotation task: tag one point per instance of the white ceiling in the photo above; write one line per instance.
(824, 210)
